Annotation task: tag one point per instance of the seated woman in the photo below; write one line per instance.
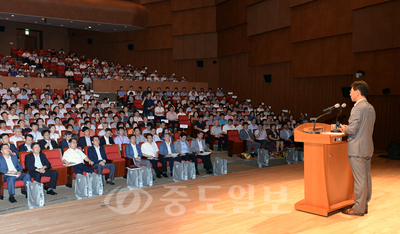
(273, 136)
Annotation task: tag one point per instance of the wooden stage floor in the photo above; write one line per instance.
(242, 202)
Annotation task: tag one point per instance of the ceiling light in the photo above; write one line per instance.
(115, 29)
(99, 24)
(90, 26)
(85, 28)
(126, 26)
(62, 25)
(12, 15)
(6, 18)
(42, 18)
(35, 22)
(72, 21)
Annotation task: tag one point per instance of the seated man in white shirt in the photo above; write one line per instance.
(287, 135)
(17, 136)
(253, 126)
(261, 135)
(35, 132)
(121, 138)
(3, 127)
(150, 150)
(228, 127)
(75, 157)
(9, 122)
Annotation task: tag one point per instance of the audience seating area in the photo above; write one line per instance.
(72, 109)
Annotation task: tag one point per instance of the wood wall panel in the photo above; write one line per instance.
(322, 18)
(329, 56)
(270, 47)
(251, 2)
(268, 15)
(188, 68)
(194, 21)
(179, 5)
(377, 27)
(233, 41)
(356, 4)
(159, 13)
(143, 2)
(231, 13)
(195, 46)
(293, 3)
(380, 70)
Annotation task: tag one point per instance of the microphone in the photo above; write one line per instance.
(337, 118)
(326, 112)
(337, 105)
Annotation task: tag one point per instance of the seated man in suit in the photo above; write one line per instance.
(182, 147)
(75, 158)
(167, 149)
(150, 150)
(246, 135)
(133, 150)
(28, 144)
(12, 170)
(38, 166)
(6, 140)
(107, 139)
(65, 142)
(98, 155)
(145, 122)
(47, 143)
(199, 146)
(86, 140)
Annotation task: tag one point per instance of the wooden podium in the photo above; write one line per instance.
(328, 180)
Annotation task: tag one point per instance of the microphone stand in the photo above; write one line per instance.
(337, 122)
(326, 113)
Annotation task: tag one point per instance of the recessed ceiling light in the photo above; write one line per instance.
(99, 24)
(62, 25)
(35, 22)
(72, 21)
(90, 26)
(42, 18)
(126, 26)
(85, 28)
(6, 18)
(12, 15)
(115, 29)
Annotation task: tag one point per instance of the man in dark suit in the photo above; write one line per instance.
(38, 166)
(198, 146)
(246, 135)
(5, 139)
(28, 144)
(133, 150)
(86, 140)
(360, 147)
(64, 144)
(9, 164)
(167, 149)
(47, 143)
(182, 147)
(107, 139)
(98, 155)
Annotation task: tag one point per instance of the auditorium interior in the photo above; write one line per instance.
(196, 72)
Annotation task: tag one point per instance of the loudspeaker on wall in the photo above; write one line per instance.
(268, 78)
(200, 63)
